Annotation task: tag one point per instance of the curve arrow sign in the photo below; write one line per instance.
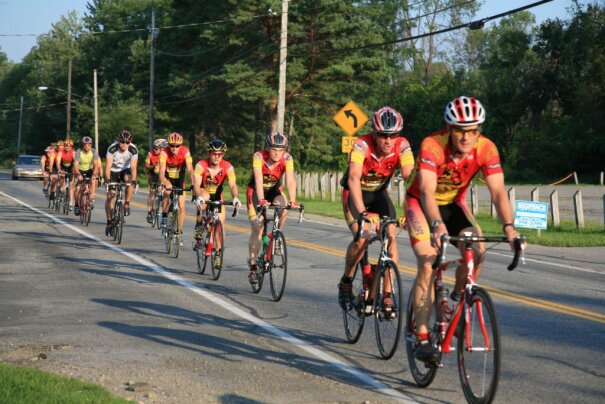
(349, 113)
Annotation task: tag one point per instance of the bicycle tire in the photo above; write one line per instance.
(114, 220)
(217, 247)
(479, 349)
(155, 213)
(354, 317)
(88, 212)
(120, 226)
(422, 375)
(58, 201)
(260, 271)
(176, 244)
(83, 204)
(278, 265)
(388, 325)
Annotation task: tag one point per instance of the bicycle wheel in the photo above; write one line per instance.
(58, 201)
(120, 224)
(354, 317)
(388, 324)
(216, 259)
(278, 265)
(88, 213)
(176, 244)
(423, 375)
(83, 206)
(66, 201)
(479, 349)
(261, 265)
(155, 213)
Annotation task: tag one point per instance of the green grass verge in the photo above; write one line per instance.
(26, 385)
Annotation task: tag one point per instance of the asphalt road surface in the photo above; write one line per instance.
(129, 317)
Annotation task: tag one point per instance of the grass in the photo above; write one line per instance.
(26, 385)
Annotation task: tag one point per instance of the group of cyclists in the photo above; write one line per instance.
(435, 203)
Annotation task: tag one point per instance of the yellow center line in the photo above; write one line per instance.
(525, 300)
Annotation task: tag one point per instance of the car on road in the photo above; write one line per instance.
(27, 166)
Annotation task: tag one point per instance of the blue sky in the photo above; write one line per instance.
(36, 17)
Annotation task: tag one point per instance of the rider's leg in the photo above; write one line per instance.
(181, 218)
(283, 214)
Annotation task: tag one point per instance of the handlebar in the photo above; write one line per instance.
(218, 204)
(301, 208)
(384, 220)
(519, 245)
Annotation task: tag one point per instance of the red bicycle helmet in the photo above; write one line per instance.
(464, 111)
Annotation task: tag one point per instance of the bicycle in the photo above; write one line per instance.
(273, 257)
(171, 233)
(211, 243)
(85, 203)
(473, 322)
(156, 207)
(369, 293)
(117, 213)
(59, 194)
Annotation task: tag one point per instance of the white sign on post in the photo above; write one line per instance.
(531, 215)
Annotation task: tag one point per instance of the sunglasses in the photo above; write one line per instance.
(386, 135)
(459, 132)
(216, 154)
(124, 142)
(175, 146)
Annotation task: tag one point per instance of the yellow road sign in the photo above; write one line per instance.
(347, 143)
(350, 118)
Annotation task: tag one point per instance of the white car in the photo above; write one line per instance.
(27, 166)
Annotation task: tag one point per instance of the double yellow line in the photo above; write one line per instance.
(525, 300)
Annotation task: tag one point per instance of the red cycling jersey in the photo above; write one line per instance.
(272, 172)
(46, 160)
(154, 159)
(453, 178)
(376, 173)
(175, 163)
(66, 158)
(214, 184)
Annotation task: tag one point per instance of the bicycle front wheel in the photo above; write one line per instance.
(354, 317)
(200, 252)
(83, 206)
(155, 213)
(278, 265)
(423, 375)
(88, 213)
(388, 321)
(176, 244)
(120, 224)
(479, 349)
(216, 261)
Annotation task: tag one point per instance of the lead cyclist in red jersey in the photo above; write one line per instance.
(372, 162)
(447, 162)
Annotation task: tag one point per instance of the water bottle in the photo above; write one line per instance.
(265, 240)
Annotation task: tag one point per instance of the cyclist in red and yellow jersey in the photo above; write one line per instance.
(264, 188)
(64, 162)
(174, 161)
(447, 162)
(49, 171)
(152, 166)
(372, 162)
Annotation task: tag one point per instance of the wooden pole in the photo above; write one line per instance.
(578, 209)
(554, 206)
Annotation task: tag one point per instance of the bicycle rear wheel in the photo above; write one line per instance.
(279, 265)
(260, 271)
(216, 260)
(120, 225)
(388, 324)
(354, 317)
(423, 375)
(479, 349)
(200, 252)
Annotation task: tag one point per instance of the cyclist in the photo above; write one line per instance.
(152, 166)
(120, 166)
(64, 162)
(268, 167)
(86, 166)
(210, 175)
(372, 162)
(49, 172)
(447, 162)
(174, 161)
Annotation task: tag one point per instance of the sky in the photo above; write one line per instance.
(25, 17)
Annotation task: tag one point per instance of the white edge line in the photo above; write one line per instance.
(550, 263)
(201, 291)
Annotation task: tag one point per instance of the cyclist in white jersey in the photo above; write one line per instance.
(120, 166)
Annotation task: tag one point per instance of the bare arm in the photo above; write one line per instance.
(495, 184)
(291, 184)
(428, 186)
(232, 183)
(258, 182)
(354, 183)
(108, 164)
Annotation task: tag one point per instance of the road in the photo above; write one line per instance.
(75, 303)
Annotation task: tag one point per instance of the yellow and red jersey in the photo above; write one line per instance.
(66, 158)
(375, 172)
(154, 159)
(175, 163)
(214, 184)
(48, 161)
(272, 171)
(453, 178)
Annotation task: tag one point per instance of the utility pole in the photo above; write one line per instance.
(20, 125)
(154, 36)
(283, 55)
(69, 100)
(96, 110)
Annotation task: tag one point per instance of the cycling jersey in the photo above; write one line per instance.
(377, 173)
(453, 179)
(121, 160)
(86, 160)
(214, 184)
(175, 163)
(66, 158)
(46, 161)
(154, 159)
(272, 172)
